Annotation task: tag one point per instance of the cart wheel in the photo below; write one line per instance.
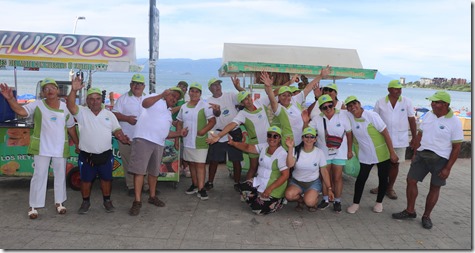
(74, 179)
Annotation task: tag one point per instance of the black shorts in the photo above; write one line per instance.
(217, 152)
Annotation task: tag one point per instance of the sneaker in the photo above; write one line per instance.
(192, 190)
(237, 187)
(156, 201)
(426, 222)
(202, 194)
(353, 208)
(404, 215)
(131, 192)
(209, 186)
(84, 207)
(107, 204)
(378, 207)
(135, 209)
(391, 194)
(323, 205)
(337, 207)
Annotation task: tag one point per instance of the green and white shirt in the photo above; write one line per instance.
(195, 118)
(256, 123)
(372, 147)
(269, 170)
(50, 136)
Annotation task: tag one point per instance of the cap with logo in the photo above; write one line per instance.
(94, 90)
(177, 90)
(138, 78)
(213, 80)
(350, 99)
(324, 99)
(309, 130)
(284, 89)
(394, 84)
(274, 129)
(242, 95)
(332, 86)
(440, 96)
(48, 80)
(196, 85)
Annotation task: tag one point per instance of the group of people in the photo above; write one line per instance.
(295, 153)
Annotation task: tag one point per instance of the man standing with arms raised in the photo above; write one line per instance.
(438, 144)
(96, 126)
(394, 109)
(127, 109)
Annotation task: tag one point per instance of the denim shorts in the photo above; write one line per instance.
(305, 186)
(88, 172)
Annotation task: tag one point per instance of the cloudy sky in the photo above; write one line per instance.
(430, 38)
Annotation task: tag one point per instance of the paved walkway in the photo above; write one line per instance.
(223, 222)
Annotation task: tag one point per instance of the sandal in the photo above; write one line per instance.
(60, 208)
(32, 213)
(391, 194)
(299, 207)
(312, 208)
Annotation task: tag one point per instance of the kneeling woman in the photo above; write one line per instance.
(265, 192)
(310, 163)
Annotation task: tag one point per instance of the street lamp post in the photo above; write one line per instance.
(76, 22)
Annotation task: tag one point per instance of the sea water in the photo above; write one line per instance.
(119, 82)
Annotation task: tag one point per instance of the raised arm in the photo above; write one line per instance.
(146, 103)
(315, 83)
(7, 93)
(71, 101)
(290, 153)
(237, 83)
(268, 81)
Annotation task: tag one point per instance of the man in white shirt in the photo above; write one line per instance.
(394, 109)
(127, 109)
(438, 144)
(96, 126)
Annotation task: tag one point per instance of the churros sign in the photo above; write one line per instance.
(50, 50)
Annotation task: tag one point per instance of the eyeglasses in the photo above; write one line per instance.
(139, 84)
(438, 102)
(328, 89)
(49, 89)
(309, 136)
(274, 136)
(324, 108)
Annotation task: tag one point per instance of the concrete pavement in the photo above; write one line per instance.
(223, 222)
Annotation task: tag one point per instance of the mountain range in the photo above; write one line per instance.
(209, 67)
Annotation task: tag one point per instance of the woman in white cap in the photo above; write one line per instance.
(49, 142)
(335, 140)
(197, 116)
(310, 169)
(265, 192)
(374, 147)
(254, 118)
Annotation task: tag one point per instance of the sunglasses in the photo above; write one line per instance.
(328, 89)
(275, 136)
(139, 84)
(309, 136)
(324, 108)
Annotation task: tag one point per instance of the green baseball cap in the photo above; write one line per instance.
(48, 80)
(309, 130)
(284, 89)
(332, 86)
(196, 85)
(294, 89)
(275, 129)
(350, 99)
(324, 99)
(394, 84)
(94, 90)
(138, 78)
(178, 90)
(242, 95)
(440, 96)
(213, 80)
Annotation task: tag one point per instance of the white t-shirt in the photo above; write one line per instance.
(95, 132)
(307, 167)
(128, 105)
(372, 147)
(154, 122)
(256, 123)
(195, 118)
(438, 134)
(227, 103)
(338, 125)
(269, 169)
(49, 137)
(396, 119)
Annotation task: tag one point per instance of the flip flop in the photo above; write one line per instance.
(60, 208)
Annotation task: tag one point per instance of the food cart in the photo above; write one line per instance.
(247, 61)
(68, 52)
